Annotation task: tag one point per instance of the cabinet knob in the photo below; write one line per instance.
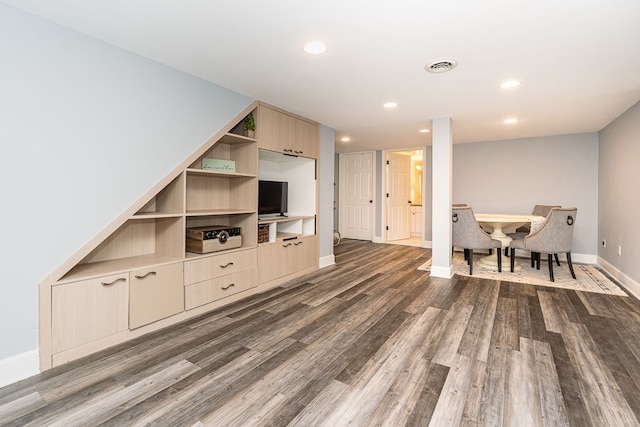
(224, 288)
(229, 264)
(297, 243)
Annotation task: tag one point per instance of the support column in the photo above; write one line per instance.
(442, 196)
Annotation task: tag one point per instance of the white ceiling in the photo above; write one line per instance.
(578, 60)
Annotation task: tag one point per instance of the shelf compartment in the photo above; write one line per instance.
(246, 221)
(234, 147)
(169, 201)
(137, 243)
(211, 192)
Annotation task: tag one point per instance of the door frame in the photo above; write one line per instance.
(382, 193)
(341, 192)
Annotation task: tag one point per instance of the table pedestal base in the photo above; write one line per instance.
(490, 262)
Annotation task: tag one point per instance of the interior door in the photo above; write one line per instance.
(398, 196)
(356, 196)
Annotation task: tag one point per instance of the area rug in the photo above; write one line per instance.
(588, 277)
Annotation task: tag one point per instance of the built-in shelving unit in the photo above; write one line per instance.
(138, 276)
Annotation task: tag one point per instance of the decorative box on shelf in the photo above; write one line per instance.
(219, 165)
(263, 233)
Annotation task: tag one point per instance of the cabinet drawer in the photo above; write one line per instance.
(155, 293)
(219, 265)
(85, 311)
(214, 289)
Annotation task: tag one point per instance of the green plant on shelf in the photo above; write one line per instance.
(249, 123)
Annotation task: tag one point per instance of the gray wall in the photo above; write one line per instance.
(513, 176)
(327, 156)
(86, 130)
(619, 193)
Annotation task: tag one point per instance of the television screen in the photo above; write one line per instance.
(272, 197)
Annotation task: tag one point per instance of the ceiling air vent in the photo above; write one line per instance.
(441, 65)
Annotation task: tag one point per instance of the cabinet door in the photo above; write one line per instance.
(304, 253)
(274, 260)
(218, 265)
(155, 293)
(275, 130)
(85, 311)
(211, 290)
(306, 139)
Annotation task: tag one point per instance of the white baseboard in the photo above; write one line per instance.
(444, 272)
(326, 261)
(427, 244)
(378, 239)
(19, 367)
(629, 284)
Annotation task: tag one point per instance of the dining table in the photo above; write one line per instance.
(497, 223)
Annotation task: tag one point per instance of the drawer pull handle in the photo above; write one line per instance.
(288, 244)
(229, 264)
(145, 275)
(114, 281)
(224, 288)
(297, 243)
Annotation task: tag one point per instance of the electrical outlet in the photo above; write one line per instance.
(604, 243)
(620, 250)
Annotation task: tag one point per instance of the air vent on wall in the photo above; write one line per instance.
(441, 65)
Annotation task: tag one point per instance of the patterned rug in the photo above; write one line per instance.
(588, 277)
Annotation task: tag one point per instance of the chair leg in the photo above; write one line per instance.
(537, 260)
(557, 259)
(512, 262)
(533, 259)
(470, 262)
(499, 260)
(550, 259)
(506, 251)
(570, 265)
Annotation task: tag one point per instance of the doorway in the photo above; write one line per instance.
(403, 197)
(356, 195)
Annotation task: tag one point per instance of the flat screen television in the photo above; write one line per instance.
(272, 197)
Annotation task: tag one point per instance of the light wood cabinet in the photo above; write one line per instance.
(285, 133)
(155, 293)
(219, 276)
(88, 310)
(137, 274)
(286, 257)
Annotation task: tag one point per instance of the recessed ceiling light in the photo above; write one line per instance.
(424, 131)
(390, 104)
(510, 121)
(509, 84)
(345, 139)
(315, 48)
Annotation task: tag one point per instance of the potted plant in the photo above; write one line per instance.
(249, 126)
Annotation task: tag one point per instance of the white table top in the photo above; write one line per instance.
(502, 220)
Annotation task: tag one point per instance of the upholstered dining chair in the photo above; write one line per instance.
(468, 235)
(554, 236)
(539, 210)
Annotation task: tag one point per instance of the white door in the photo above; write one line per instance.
(356, 196)
(398, 196)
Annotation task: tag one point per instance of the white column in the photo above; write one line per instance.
(441, 166)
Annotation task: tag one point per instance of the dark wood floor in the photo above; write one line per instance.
(370, 341)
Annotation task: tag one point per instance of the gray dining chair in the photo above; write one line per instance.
(538, 210)
(468, 235)
(554, 236)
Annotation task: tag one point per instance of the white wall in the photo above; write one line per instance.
(325, 228)
(513, 176)
(86, 130)
(619, 193)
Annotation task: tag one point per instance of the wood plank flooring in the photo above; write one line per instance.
(370, 341)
